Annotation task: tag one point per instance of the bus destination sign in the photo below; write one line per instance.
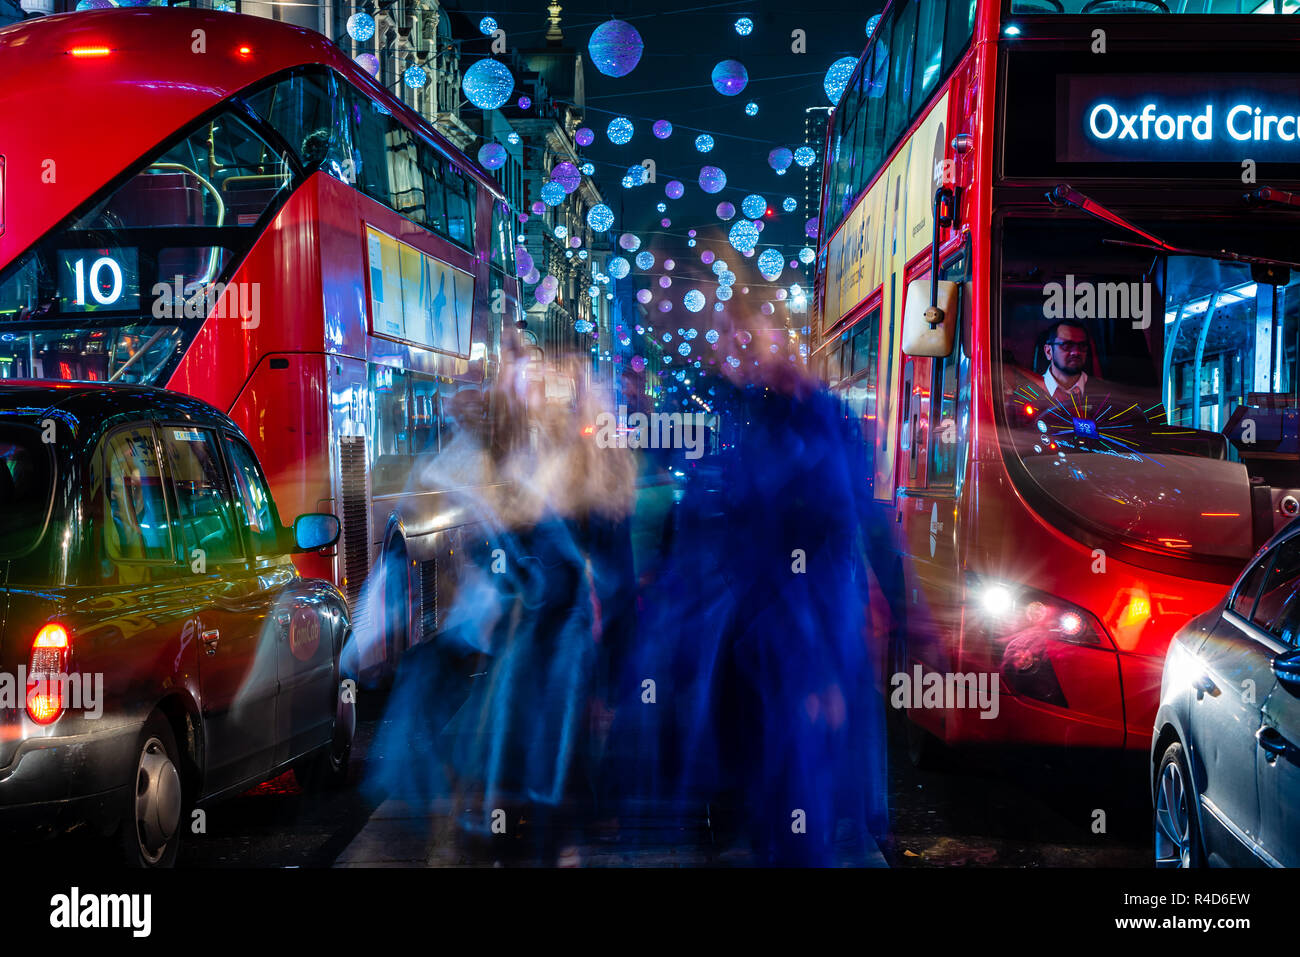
(1198, 118)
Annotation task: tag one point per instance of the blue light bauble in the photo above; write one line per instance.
(513, 138)
(751, 108)
(636, 176)
(415, 76)
(694, 301)
(711, 337)
(837, 78)
(780, 159)
(684, 349)
(488, 84)
(524, 102)
(492, 156)
(806, 256)
(361, 27)
(661, 207)
(704, 142)
(730, 77)
(615, 48)
(805, 156)
(583, 136)
(629, 241)
(872, 24)
(674, 189)
(753, 206)
(588, 168)
(619, 130)
(743, 236)
(487, 26)
(744, 26)
(662, 129)
(712, 179)
(553, 194)
(645, 260)
(789, 204)
(771, 263)
(619, 267)
(811, 228)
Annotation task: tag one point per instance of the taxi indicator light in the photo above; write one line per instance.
(89, 51)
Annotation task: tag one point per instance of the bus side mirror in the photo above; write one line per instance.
(928, 331)
(315, 530)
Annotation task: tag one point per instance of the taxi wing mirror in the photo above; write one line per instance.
(930, 318)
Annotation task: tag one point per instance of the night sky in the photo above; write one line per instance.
(683, 42)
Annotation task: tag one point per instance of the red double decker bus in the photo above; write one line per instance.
(1056, 289)
(228, 207)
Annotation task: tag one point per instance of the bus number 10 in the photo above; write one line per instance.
(115, 289)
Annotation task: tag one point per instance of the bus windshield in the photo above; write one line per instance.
(1121, 368)
(116, 294)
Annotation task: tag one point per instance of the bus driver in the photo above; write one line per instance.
(1066, 348)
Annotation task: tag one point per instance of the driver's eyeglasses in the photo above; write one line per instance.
(1068, 345)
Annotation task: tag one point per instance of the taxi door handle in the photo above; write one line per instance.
(210, 639)
(1272, 742)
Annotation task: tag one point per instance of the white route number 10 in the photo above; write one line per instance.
(115, 273)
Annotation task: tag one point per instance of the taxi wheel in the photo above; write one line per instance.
(1177, 838)
(151, 822)
(328, 767)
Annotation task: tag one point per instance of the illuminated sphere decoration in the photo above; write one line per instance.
(361, 27)
(690, 333)
(751, 108)
(584, 136)
(488, 84)
(837, 78)
(872, 24)
(767, 308)
(368, 62)
(615, 48)
(811, 228)
(706, 257)
(513, 138)
(712, 179)
(805, 156)
(664, 282)
(690, 232)
(730, 77)
(588, 168)
(635, 176)
(619, 130)
(753, 206)
(487, 26)
(661, 207)
(524, 102)
(684, 349)
(674, 189)
(492, 156)
(794, 264)
(538, 208)
(719, 267)
(561, 232)
(629, 241)
(523, 261)
(637, 363)
(600, 217)
(593, 291)
(743, 235)
(619, 267)
(553, 194)
(780, 159)
(644, 296)
(789, 204)
(723, 293)
(780, 293)
(727, 278)
(575, 241)
(662, 129)
(669, 265)
(744, 26)
(95, 4)
(550, 282)
(711, 336)
(415, 76)
(693, 300)
(665, 306)
(545, 295)
(532, 276)
(665, 222)
(645, 260)
(690, 243)
(704, 142)
(725, 210)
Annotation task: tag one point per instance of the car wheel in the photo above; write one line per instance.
(150, 831)
(328, 767)
(1177, 839)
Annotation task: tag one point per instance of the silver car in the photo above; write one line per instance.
(1225, 755)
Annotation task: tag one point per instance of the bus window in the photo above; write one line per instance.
(903, 46)
(301, 109)
(929, 49)
(945, 418)
(460, 206)
(873, 118)
(961, 25)
(433, 167)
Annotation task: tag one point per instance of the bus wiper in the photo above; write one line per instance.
(1066, 195)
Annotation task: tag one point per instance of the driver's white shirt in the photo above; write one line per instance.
(1055, 388)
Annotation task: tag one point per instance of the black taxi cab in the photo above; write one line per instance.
(158, 649)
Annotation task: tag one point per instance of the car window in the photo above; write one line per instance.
(257, 510)
(1243, 601)
(1280, 584)
(202, 494)
(129, 522)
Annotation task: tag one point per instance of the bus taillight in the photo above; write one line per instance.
(89, 51)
